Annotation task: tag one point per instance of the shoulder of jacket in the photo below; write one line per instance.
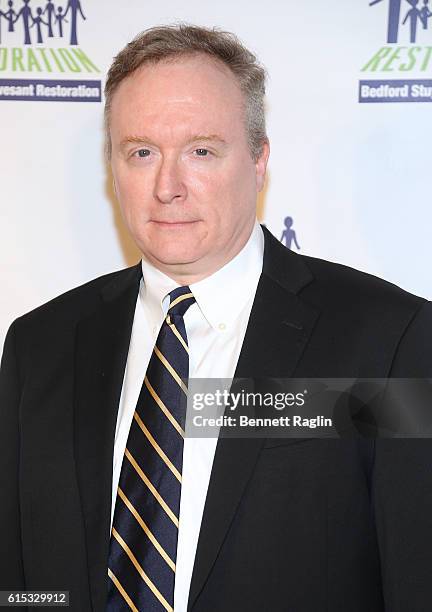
(341, 282)
(75, 302)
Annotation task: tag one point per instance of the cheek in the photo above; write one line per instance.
(203, 183)
(236, 194)
(133, 193)
(219, 184)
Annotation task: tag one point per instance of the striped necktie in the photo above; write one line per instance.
(143, 547)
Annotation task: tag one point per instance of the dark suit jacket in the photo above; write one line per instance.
(305, 525)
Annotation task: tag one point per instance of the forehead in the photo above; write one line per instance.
(192, 88)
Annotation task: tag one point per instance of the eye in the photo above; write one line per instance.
(142, 153)
(202, 152)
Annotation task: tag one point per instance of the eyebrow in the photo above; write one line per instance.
(198, 138)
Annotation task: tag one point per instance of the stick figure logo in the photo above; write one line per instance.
(413, 18)
(45, 22)
(288, 235)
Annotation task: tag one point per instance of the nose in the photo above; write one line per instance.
(169, 186)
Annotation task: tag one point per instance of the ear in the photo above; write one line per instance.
(261, 165)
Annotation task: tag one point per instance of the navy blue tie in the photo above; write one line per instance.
(143, 547)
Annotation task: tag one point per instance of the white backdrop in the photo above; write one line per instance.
(355, 177)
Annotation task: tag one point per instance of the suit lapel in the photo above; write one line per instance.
(101, 351)
(278, 330)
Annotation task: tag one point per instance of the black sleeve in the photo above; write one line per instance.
(11, 564)
(402, 488)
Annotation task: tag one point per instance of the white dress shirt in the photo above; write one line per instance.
(215, 327)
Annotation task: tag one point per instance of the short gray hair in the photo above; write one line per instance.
(167, 42)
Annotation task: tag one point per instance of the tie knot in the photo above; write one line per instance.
(180, 300)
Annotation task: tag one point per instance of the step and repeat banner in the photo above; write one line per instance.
(349, 119)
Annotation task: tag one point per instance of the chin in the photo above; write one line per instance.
(172, 256)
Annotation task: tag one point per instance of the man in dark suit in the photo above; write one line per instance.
(301, 525)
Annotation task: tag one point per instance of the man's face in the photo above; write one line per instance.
(183, 172)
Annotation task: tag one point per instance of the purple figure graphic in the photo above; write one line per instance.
(414, 16)
(393, 19)
(425, 14)
(50, 10)
(289, 235)
(59, 19)
(37, 22)
(26, 14)
(10, 16)
(74, 6)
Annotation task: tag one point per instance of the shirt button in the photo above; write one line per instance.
(222, 326)
(154, 329)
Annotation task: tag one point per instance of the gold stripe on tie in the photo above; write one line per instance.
(141, 572)
(147, 531)
(147, 482)
(180, 298)
(177, 334)
(170, 369)
(157, 448)
(162, 406)
(126, 597)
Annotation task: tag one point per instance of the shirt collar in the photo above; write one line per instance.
(221, 296)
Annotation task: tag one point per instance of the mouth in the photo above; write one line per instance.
(173, 224)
